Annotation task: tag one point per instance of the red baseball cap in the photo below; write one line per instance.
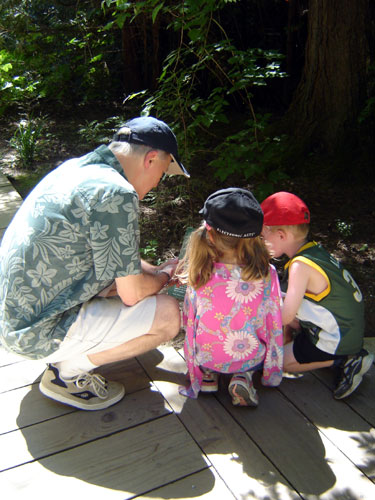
(284, 209)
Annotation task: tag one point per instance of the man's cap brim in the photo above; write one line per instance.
(177, 168)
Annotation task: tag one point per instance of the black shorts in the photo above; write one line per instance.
(306, 352)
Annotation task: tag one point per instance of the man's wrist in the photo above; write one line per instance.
(163, 271)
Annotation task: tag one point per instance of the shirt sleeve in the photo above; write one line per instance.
(273, 363)
(190, 323)
(114, 235)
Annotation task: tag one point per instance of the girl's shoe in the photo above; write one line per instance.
(210, 382)
(242, 390)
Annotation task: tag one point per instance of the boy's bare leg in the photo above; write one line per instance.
(291, 365)
(165, 326)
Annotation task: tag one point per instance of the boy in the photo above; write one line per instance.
(322, 300)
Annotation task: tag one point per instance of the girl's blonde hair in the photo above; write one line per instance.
(196, 267)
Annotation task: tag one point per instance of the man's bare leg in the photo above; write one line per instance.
(165, 326)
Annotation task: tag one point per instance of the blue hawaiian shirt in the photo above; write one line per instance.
(73, 235)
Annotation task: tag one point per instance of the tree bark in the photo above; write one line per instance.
(332, 90)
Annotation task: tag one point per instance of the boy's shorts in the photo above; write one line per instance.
(306, 352)
(104, 323)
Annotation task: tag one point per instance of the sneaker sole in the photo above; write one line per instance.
(209, 389)
(100, 405)
(357, 379)
(240, 396)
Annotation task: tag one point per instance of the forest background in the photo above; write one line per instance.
(264, 94)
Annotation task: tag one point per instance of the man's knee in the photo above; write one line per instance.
(167, 319)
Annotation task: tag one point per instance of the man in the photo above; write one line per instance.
(74, 290)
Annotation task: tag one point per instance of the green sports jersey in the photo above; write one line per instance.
(334, 319)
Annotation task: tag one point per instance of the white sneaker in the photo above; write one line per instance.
(210, 382)
(87, 391)
(242, 390)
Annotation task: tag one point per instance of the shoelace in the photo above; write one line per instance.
(348, 367)
(97, 382)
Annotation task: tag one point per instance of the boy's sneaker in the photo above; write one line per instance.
(352, 373)
(242, 390)
(87, 391)
(210, 382)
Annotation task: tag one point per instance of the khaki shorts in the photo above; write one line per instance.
(103, 323)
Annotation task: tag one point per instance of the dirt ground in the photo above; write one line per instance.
(342, 216)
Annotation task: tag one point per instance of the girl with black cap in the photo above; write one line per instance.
(232, 305)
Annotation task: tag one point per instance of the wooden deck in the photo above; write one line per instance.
(156, 444)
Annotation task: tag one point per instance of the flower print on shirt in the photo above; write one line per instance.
(240, 344)
(99, 231)
(237, 327)
(41, 275)
(243, 291)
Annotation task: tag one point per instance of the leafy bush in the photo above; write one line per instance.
(27, 140)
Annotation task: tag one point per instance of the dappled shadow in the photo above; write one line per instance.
(277, 445)
(141, 447)
(133, 448)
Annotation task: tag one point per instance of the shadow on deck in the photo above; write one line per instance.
(299, 442)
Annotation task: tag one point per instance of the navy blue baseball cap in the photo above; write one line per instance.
(233, 212)
(152, 132)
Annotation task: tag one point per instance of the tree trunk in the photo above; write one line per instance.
(332, 90)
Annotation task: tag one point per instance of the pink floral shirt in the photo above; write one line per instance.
(233, 326)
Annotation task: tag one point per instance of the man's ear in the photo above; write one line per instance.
(149, 158)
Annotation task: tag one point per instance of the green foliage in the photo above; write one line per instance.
(258, 160)
(52, 51)
(344, 228)
(208, 77)
(150, 251)
(27, 141)
(95, 132)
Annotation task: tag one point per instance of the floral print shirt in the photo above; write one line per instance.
(73, 235)
(233, 326)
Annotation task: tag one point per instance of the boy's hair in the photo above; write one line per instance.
(197, 265)
(300, 231)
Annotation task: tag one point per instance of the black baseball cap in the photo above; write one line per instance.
(152, 132)
(233, 212)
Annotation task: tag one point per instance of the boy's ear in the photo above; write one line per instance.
(282, 233)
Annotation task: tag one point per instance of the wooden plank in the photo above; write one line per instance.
(336, 420)
(10, 201)
(128, 463)
(313, 465)
(3, 180)
(13, 376)
(27, 406)
(206, 485)
(238, 461)
(8, 358)
(362, 400)
(28, 372)
(73, 429)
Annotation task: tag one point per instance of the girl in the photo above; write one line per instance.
(232, 305)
